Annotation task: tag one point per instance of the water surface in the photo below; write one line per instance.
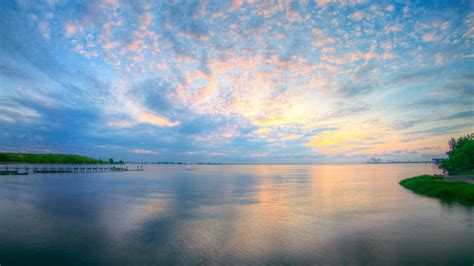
(231, 214)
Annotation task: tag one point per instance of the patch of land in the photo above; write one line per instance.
(436, 187)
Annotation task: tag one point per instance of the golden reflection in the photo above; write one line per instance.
(270, 223)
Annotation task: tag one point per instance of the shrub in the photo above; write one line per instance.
(460, 156)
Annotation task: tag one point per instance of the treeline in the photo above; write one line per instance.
(49, 158)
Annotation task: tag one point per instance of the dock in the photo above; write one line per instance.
(26, 169)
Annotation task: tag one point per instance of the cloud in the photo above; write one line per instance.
(402, 125)
(43, 27)
(429, 37)
(260, 154)
(324, 2)
(154, 119)
(469, 23)
(11, 72)
(438, 130)
(6, 118)
(393, 28)
(465, 114)
(121, 124)
(143, 151)
(418, 75)
(324, 42)
(236, 4)
(358, 15)
(263, 130)
(72, 28)
(352, 90)
(240, 76)
(18, 110)
(292, 137)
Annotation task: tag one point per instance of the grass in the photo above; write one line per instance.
(436, 187)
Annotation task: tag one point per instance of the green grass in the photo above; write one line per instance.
(45, 158)
(434, 186)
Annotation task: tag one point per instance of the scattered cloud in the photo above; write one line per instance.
(242, 79)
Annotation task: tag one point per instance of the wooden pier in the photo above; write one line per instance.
(25, 169)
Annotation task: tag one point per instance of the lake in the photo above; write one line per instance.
(231, 214)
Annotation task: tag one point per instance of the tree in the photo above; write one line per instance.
(111, 160)
(460, 156)
(45, 158)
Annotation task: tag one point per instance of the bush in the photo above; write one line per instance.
(460, 157)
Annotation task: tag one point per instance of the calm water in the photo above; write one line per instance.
(264, 214)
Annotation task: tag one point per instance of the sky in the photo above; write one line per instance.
(308, 81)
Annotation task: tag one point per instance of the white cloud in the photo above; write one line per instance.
(393, 28)
(6, 118)
(143, 151)
(20, 110)
(439, 59)
(44, 29)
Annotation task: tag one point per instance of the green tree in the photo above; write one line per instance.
(460, 156)
(111, 160)
(45, 158)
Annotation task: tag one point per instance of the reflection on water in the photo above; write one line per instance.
(251, 214)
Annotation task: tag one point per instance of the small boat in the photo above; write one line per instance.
(188, 167)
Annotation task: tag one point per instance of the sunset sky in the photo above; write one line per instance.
(236, 81)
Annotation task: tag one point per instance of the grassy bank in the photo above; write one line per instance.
(434, 186)
(45, 158)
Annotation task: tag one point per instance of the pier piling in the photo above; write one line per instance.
(24, 169)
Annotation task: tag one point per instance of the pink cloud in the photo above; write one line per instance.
(390, 8)
(358, 15)
(429, 37)
(71, 28)
(236, 4)
(387, 55)
(324, 2)
(154, 119)
(135, 45)
(324, 42)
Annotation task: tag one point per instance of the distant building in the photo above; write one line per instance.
(374, 160)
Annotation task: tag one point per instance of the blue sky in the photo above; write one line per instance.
(236, 81)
